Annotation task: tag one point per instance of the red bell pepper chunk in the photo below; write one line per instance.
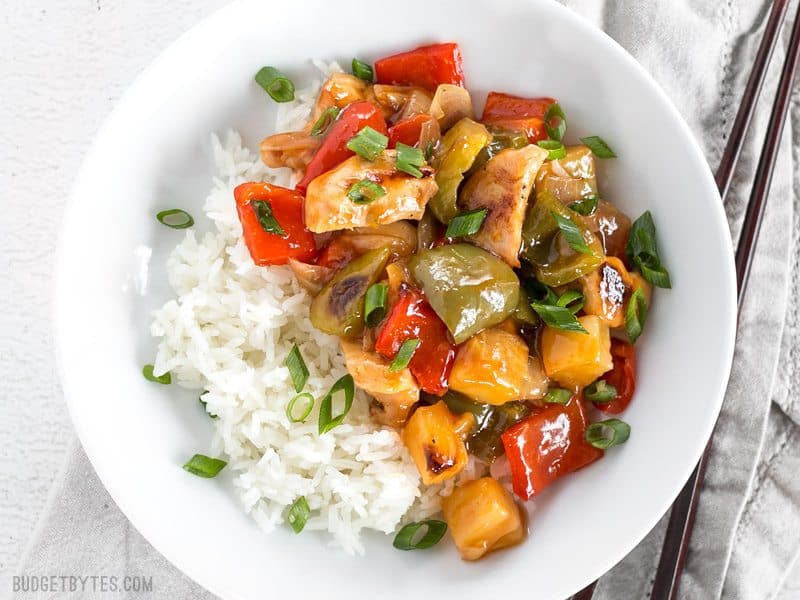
(287, 208)
(622, 377)
(517, 114)
(413, 318)
(426, 66)
(547, 445)
(333, 149)
(408, 130)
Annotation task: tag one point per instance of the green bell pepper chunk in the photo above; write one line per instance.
(502, 139)
(469, 288)
(458, 149)
(339, 308)
(554, 262)
(485, 442)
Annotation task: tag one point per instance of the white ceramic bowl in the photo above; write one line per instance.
(153, 153)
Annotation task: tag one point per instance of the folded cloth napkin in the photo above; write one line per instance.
(745, 540)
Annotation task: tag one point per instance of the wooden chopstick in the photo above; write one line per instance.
(681, 522)
(684, 509)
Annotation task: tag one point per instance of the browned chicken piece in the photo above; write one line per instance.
(394, 392)
(328, 208)
(605, 290)
(402, 100)
(503, 185)
(570, 178)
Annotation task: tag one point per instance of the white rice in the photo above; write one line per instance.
(229, 331)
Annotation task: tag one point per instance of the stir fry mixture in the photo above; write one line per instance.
(486, 294)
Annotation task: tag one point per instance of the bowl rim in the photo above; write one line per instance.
(172, 551)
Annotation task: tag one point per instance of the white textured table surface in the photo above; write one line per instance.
(63, 65)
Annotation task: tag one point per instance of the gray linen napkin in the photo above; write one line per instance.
(747, 535)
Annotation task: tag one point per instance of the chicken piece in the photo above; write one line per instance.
(395, 392)
(570, 178)
(295, 149)
(328, 208)
(612, 226)
(639, 283)
(503, 185)
(339, 90)
(605, 290)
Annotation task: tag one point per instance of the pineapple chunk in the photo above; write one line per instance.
(482, 517)
(435, 440)
(576, 359)
(492, 367)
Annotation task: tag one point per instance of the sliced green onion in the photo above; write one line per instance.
(608, 433)
(571, 233)
(554, 148)
(571, 300)
(642, 251)
(363, 70)
(554, 112)
(418, 536)
(585, 206)
(205, 408)
(557, 396)
(365, 192)
(266, 219)
(279, 87)
(466, 223)
(404, 354)
(410, 159)
(325, 120)
(306, 407)
(164, 379)
(558, 317)
(598, 146)
(375, 304)
(175, 218)
(540, 292)
(600, 392)
(298, 514)
(204, 466)
(658, 276)
(326, 419)
(298, 370)
(429, 151)
(636, 315)
(368, 143)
